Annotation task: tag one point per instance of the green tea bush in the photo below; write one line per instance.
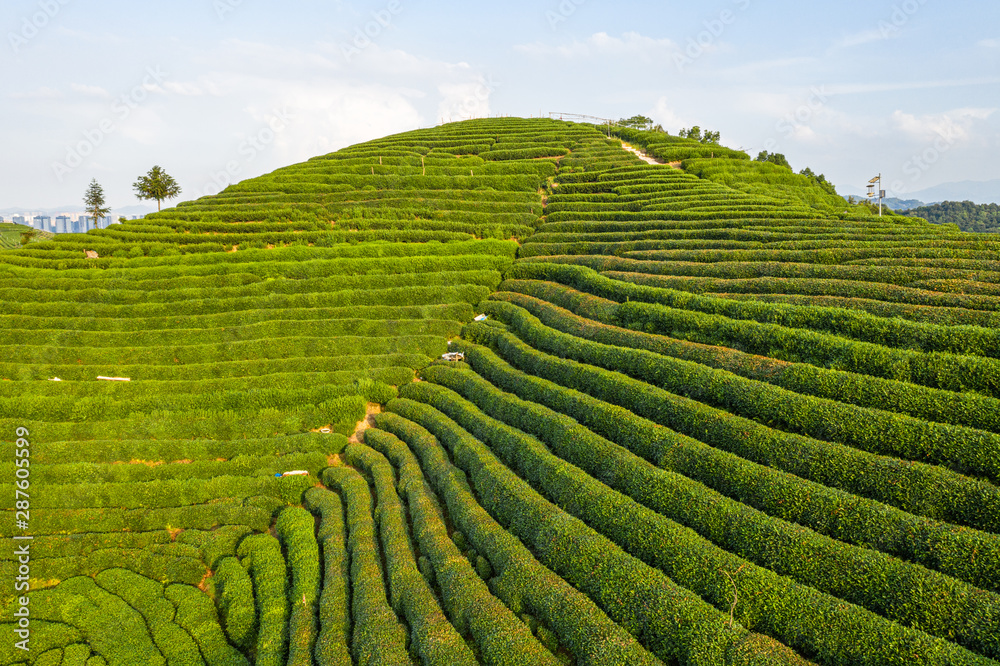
(585, 558)
(522, 581)
(295, 528)
(432, 637)
(898, 591)
(502, 638)
(260, 555)
(378, 637)
(332, 647)
(236, 603)
(917, 487)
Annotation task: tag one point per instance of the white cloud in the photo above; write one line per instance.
(89, 91)
(325, 101)
(186, 89)
(769, 67)
(666, 116)
(860, 39)
(989, 44)
(461, 101)
(143, 126)
(955, 125)
(856, 88)
(601, 44)
(38, 93)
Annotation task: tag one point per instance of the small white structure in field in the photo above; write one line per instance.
(481, 317)
(55, 379)
(115, 379)
(296, 472)
(454, 356)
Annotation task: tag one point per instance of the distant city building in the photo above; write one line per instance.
(66, 224)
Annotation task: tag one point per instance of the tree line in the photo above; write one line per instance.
(978, 218)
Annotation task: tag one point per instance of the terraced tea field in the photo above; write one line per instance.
(10, 235)
(713, 416)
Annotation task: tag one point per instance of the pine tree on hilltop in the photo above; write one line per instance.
(156, 184)
(94, 202)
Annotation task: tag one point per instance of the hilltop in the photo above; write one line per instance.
(701, 411)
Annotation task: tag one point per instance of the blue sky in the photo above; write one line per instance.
(216, 91)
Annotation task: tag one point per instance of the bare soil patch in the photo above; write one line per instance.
(373, 408)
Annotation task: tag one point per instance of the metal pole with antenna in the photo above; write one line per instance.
(881, 194)
(872, 193)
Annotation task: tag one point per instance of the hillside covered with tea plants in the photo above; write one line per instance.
(712, 414)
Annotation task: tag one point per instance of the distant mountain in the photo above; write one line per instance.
(903, 204)
(979, 192)
(967, 215)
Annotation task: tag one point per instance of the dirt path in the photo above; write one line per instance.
(646, 158)
(373, 408)
(638, 153)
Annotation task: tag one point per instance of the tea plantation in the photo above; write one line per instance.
(714, 415)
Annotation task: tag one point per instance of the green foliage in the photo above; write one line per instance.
(774, 158)
(236, 603)
(633, 594)
(734, 403)
(879, 583)
(637, 122)
(432, 636)
(157, 184)
(94, 202)
(829, 511)
(470, 606)
(147, 597)
(295, 528)
(522, 582)
(261, 556)
(196, 615)
(942, 494)
(771, 177)
(695, 134)
(332, 644)
(967, 216)
(377, 635)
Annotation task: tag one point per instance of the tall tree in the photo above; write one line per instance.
(94, 201)
(695, 133)
(637, 122)
(28, 236)
(775, 158)
(690, 133)
(156, 184)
